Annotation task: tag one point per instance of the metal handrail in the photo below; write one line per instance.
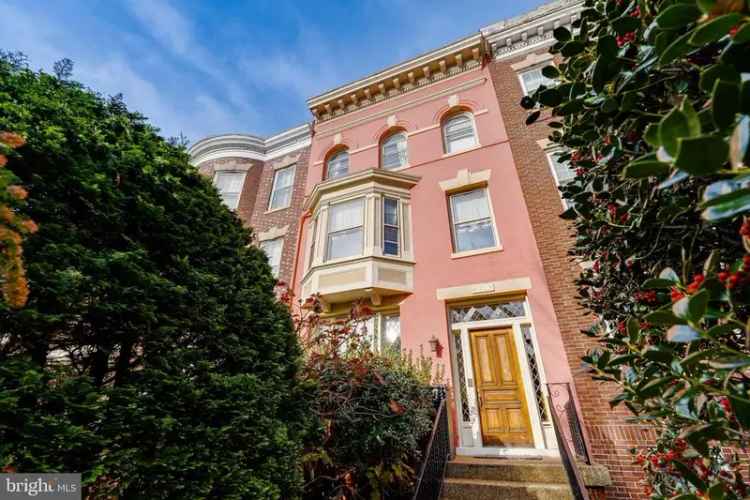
(567, 455)
(431, 473)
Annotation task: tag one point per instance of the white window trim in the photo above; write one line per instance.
(527, 70)
(293, 166)
(331, 157)
(242, 184)
(281, 254)
(498, 246)
(550, 162)
(473, 127)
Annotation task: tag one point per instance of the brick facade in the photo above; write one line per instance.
(610, 436)
(256, 192)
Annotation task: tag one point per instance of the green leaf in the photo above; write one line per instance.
(745, 96)
(561, 34)
(707, 6)
(646, 168)
(653, 387)
(657, 283)
(693, 121)
(725, 101)
(701, 155)
(728, 209)
(668, 274)
(678, 48)
(550, 97)
(742, 35)
(626, 24)
(714, 29)
(730, 363)
(717, 72)
(689, 474)
(607, 46)
(683, 334)
(680, 308)
(697, 305)
(652, 135)
(739, 144)
(672, 127)
(725, 190)
(677, 16)
(663, 317)
(741, 408)
(533, 117)
(572, 48)
(551, 72)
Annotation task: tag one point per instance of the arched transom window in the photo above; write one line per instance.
(337, 165)
(459, 132)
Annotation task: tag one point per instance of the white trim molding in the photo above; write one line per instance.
(465, 179)
(273, 233)
(488, 289)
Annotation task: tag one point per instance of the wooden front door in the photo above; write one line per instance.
(500, 394)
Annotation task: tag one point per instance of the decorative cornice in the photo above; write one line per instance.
(250, 146)
(377, 175)
(532, 30)
(436, 65)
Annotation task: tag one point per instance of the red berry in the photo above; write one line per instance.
(676, 294)
(723, 276)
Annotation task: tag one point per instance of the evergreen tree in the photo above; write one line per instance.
(152, 355)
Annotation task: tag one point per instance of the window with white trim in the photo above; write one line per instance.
(382, 331)
(229, 184)
(281, 191)
(459, 132)
(471, 221)
(337, 165)
(311, 252)
(345, 229)
(532, 79)
(562, 172)
(391, 227)
(393, 151)
(273, 248)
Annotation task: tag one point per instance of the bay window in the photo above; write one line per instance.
(345, 229)
(229, 184)
(471, 221)
(281, 192)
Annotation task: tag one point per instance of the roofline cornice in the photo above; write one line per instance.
(250, 146)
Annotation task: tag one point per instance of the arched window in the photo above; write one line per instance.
(337, 164)
(393, 151)
(459, 133)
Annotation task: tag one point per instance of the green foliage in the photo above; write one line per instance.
(652, 108)
(376, 410)
(152, 355)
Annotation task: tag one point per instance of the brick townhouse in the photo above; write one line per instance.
(420, 190)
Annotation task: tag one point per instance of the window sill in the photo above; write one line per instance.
(456, 153)
(479, 251)
(270, 211)
(402, 167)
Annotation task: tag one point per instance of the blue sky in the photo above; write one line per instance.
(215, 66)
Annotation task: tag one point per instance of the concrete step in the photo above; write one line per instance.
(482, 489)
(524, 471)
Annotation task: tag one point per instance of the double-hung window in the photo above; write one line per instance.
(272, 248)
(281, 192)
(337, 165)
(391, 227)
(471, 221)
(393, 151)
(229, 185)
(459, 133)
(533, 79)
(345, 229)
(562, 172)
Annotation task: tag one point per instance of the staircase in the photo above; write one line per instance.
(469, 478)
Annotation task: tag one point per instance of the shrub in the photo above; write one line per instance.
(375, 410)
(653, 110)
(152, 355)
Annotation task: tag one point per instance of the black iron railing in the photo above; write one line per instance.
(569, 434)
(437, 453)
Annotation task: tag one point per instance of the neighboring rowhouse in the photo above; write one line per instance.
(423, 192)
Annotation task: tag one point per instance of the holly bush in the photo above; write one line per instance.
(651, 107)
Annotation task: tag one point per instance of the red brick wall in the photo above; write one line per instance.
(253, 204)
(609, 435)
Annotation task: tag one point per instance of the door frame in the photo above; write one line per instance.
(470, 433)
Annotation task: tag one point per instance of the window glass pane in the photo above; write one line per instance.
(390, 227)
(391, 336)
(338, 165)
(474, 235)
(391, 234)
(390, 211)
(272, 248)
(469, 206)
(345, 243)
(563, 171)
(281, 196)
(534, 78)
(311, 252)
(229, 185)
(459, 133)
(345, 215)
(393, 153)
